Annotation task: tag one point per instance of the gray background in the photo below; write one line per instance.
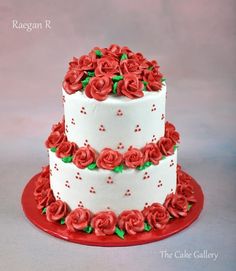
(194, 42)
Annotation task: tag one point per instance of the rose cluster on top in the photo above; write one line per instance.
(108, 158)
(115, 70)
(155, 216)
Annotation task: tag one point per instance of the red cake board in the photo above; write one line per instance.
(60, 231)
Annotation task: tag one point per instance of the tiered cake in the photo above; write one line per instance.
(113, 157)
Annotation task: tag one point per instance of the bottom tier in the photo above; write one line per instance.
(100, 189)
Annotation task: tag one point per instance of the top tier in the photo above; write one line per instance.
(114, 98)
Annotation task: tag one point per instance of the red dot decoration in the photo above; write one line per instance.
(146, 176)
(154, 108)
(137, 128)
(102, 128)
(83, 111)
(127, 193)
(119, 113)
(92, 190)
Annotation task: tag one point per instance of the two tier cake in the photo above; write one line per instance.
(113, 157)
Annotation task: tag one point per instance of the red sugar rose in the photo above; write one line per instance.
(55, 139)
(87, 62)
(74, 64)
(131, 221)
(56, 211)
(171, 133)
(78, 219)
(157, 216)
(183, 178)
(152, 153)
(104, 223)
(109, 159)
(107, 66)
(42, 184)
(114, 50)
(130, 86)
(65, 149)
(138, 57)
(130, 66)
(133, 158)
(44, 198)
(127, 51)
(84, 156)
(99, 88)
(153, 78)
(187, 191)
(177, 205)
(72, 81)
(59, 127)
(166, 146)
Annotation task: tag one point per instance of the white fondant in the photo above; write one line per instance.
(117, 122)
(101, 189)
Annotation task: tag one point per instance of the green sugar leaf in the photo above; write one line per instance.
(150, 68)
(62, 221)
(117, 78)
(123, 57)
(119, 232)
(147, 227)
(98, 53)
(163, 79)
(163, 157)
(118, 168)
(189, 206)
(175, 147)
(88, 229)
(145, 85)
(147, 164)
(54, 149)
(85, 81)
(44, 210)
(92, 166)
(141, 167)
(67, 159)
(114, 88)
(91, 73)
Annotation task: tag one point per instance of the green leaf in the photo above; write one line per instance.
(98, 53)
(120, 233)
(114, 88)
(145, 83)
(150, 68)
(117, 78)
(123, 57)
(44, 210)
(54, 149)
(92, 166)
(141, 167)
(163, 79)
(147, 164)
(91, 73)
(118, 168)
(88, 229)
(67, 159)
(62, 221)
(163, 157)
(85, 81)
(147, 227)
(175, 147)
(189, 207)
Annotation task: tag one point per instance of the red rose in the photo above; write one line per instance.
(84, 156)
(114, 50)
(45, 172)
(55, 139)
(99, 88)
(177, 205)
(127, 51)
(65, 149)
(44, 198)
(109, 159)
(131, 221)
(157, 216)
(107, 66)
(130, 86)
(139, 58)
(78, 219)
(166, 146)
(41, 184)
(59, 127)
(171, 133)
(130, 66)
(87, 62)
(72, 81)
(183, 178)
(187, 191)
(153, 78)
(133, 158)
(152, 153)
(104, 223)
(56, 211)
(74, 64)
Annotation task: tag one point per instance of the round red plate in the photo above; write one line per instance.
(60, 231)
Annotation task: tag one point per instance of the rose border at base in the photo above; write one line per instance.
(60, 231)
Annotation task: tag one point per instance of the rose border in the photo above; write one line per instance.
(177, 205)
(121, 166)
